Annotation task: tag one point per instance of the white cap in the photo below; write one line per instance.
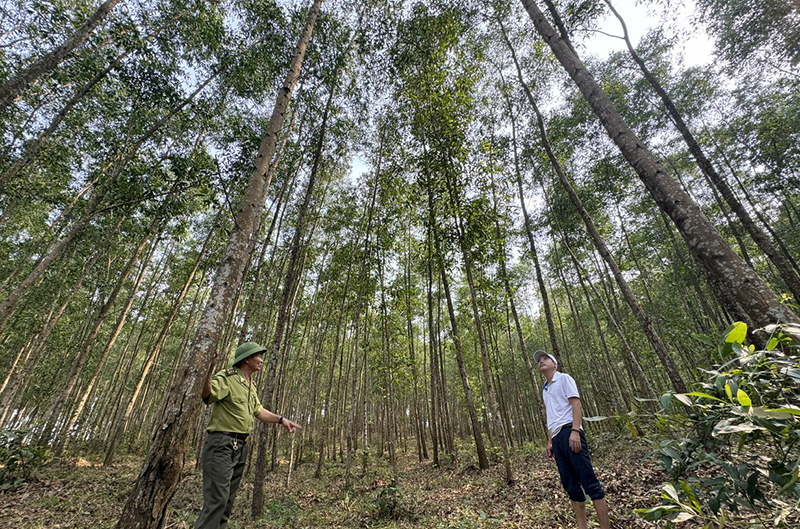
(539, 354)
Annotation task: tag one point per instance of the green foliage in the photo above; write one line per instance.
(739, 448)
(18, 460)
(283, 512)
(388, 503)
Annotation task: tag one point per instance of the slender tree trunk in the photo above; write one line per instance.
(483, 460)
(785, 269)
(362, 280)
(512, 306)
(548, 313)
(83, 353)
(290, 288)
(737, 282)
(9, 305)
(432, 350)
(487, 371)
(89, 388)
(652, 335)
(419, 430)
(32, 149)
(147, 504)
(13, 87)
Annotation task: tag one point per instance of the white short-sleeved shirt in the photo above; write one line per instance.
(556, 397)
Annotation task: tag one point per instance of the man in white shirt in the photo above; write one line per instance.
(566, 442)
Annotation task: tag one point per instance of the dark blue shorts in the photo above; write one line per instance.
(577, 474)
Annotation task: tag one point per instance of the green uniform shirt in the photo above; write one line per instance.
(235, 402)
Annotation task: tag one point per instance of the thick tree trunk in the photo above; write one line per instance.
(158, 479)
(647, 326)
(737, 283)
(785, 268)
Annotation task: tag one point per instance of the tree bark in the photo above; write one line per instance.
(737, 283)
(49, 61)
(155, 486)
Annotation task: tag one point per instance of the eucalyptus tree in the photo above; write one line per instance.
(738, 287)
(296, 250)
(425, 44)
(789, 275)
(48, 61)
(158, 479)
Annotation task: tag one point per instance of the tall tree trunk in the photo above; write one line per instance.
(512, 306)
(483, 460)
(738, 284)
(476, 314)
(290, 287)
(432, 349)
(652, 335)
(419, 430)
(548, 313)
(147, 504)
(350, 437)
(785, 269)
(9, 305)
(12, 88)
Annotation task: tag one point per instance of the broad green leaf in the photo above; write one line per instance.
(726, 427)
(704, 395)
(671, 492)
(681, 516)
(666, 400)
(743, 398)
(772, 344)
(596, 418)
(728, 392)
(736, 333)
(684, 398)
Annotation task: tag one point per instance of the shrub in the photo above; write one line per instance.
(18, 460)
(389, 501)
(751, 400)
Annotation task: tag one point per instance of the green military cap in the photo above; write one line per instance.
(245, 350)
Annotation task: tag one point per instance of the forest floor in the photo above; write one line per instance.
(80, 493)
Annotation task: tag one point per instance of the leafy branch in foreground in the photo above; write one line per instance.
(740, 447)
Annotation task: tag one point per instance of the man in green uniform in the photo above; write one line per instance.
(236, 403)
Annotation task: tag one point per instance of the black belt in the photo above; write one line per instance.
(236, 435)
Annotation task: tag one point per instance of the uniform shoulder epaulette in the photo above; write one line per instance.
(230, 372)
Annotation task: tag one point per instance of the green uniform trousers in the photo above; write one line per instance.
(224, 459)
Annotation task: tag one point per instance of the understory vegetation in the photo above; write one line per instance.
(400, 201)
